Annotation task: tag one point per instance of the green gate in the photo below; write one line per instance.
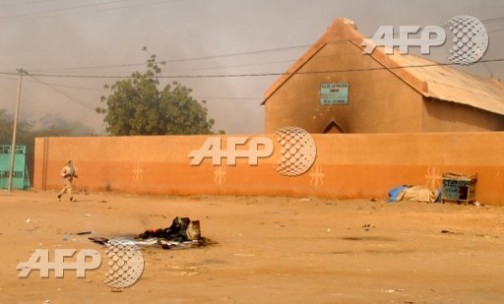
(20, 180)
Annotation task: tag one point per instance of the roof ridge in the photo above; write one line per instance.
(434, 80)
(395, 68)
(348, 29)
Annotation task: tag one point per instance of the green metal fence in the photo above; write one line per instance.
(21, 179)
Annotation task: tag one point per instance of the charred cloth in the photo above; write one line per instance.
(182, 229)
(183, 233)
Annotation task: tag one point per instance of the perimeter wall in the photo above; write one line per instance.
(347, 165)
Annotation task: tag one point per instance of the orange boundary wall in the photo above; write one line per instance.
(347, 165)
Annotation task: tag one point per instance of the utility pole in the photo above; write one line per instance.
(14, 131)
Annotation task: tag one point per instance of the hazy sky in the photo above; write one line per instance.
(215, 40)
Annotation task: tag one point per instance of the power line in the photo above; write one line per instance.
(71, 98)
(199, 58)
(235, 66)
(68, 86)
(52, 85)
(57, 84)
(87, 12)
(64, 9)
(228, 98)
(496, 31)
(244, 74)
(203, 57)
(182, 59)
(25, 3)
(490, 20)
(91, 67)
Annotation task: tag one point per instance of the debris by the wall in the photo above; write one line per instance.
(183, 233)
(413, 193)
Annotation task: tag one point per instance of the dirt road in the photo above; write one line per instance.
(269, 250)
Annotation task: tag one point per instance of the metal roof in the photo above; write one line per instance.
(431, 79)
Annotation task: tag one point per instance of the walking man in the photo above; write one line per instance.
(68, 174)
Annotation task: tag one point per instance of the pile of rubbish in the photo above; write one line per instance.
(414, 193)
(183, 233)
(455, 187)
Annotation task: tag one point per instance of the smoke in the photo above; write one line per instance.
(109, 36)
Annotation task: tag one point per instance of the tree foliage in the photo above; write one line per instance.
(25, 135)
(48, 126)
(56, 125)
(136, 106)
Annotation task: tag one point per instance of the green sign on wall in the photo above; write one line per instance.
(334, 93)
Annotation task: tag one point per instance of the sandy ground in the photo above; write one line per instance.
(269, 250)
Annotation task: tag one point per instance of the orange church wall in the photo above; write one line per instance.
(378, 101)
(347, 166)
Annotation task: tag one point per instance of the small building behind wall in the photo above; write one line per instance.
(335, 88)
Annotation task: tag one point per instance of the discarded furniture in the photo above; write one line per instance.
(459, 188)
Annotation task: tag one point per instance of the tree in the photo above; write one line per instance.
(56, 125)
(6, 125)
(49, 125)
(136, 106)
(5, 128)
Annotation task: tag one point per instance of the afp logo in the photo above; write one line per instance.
(297, 155)
(468, 35)
(126, 263)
